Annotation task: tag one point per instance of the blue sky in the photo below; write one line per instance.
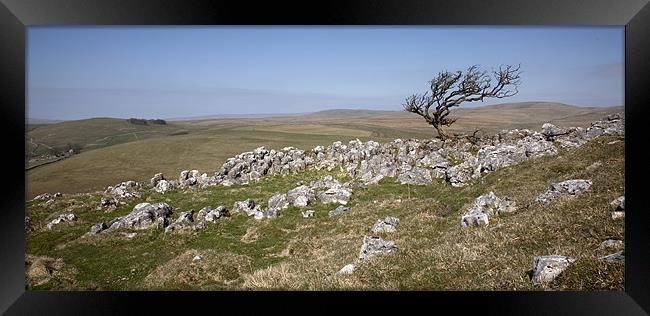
(165, 72)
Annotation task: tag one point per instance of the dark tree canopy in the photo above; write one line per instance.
(449, 90)
(146, 122)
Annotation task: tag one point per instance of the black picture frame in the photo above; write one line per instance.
(16, 15)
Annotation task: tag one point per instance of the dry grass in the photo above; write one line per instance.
(214, 270)
(41, 271)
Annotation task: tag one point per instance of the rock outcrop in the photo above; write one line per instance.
(410, 161)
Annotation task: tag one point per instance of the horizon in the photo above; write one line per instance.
(269, 115)
(167, 72)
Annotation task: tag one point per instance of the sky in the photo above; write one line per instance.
(171, 72)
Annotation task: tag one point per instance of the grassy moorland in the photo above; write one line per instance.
(114, 150)
(291, 252)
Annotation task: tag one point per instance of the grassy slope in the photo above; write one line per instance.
(296, 253)
(208, 143)
(96, 132)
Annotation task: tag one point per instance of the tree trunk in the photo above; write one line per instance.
(441, 134)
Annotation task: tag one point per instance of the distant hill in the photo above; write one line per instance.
(233, 116)
(90, 133)
(349, 113)
(37, 121)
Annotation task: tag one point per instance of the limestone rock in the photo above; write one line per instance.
(373, 246)
(162, 186)
(347, 269)
(338, 211)
(156, 178)
(247, 207)
(66, 217)
(564, 188)
(618, 205)
(611, 243)
(547, 268)
(301, 196)
(143, 216)
(278, 202)
(484, 207)
(415, 176)
(386, 225)
(615, 257)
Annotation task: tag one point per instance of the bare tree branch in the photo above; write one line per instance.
(449, 90)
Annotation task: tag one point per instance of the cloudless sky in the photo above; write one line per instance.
(165, 72)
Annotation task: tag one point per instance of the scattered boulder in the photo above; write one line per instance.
(189, 178)
(278, 202)
(264, 214)
(163, 186)
(98, 228)
(484, 207)
(615, 257)
(143, 216)
(124, 190)
(373, 246)
(617, 208)
(547, 268)
(66, 217)
(301, 196)
(308, 213)
(184, 221)
(108, 203)
(338, 211)
(386, 225)
(611, 243)
(208, 214)
(156, 178)
(339, 195)
(47, 196)
(248, 207)
(618, 205)
(347, 269)
(48, 203)
(551, 131)
(564, 188)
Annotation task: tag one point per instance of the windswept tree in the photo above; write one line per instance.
(449, 90)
